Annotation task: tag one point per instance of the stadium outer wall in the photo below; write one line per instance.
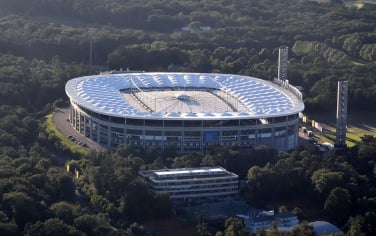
(279, 132)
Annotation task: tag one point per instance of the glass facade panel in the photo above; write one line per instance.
(192, 123)
(134, 131)
(280, 119)
(291, 129)
(104, 117)
(188, 135)
(212, 123)
(229, 123)
(172, 133)
(293, 117)
(229, 132)
(173, 123)
(192, 133)
(248, 122)
(247, 131)
(135, 122)
(153, 132)
(118, 120)
(158, 123)
(264, 133)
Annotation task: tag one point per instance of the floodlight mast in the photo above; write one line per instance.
(341, 124)
(283, 57)
(91, 35)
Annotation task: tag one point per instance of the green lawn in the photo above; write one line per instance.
(359, 5)
(358, 125)
(75, 148)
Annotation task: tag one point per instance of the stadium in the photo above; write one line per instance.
(188, 111)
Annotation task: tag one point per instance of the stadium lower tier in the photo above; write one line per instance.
(186, 136)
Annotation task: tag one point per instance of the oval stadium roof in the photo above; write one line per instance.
(260, 98)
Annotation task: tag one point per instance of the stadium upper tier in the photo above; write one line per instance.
(134, 95)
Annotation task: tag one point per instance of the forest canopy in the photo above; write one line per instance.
(328, 41)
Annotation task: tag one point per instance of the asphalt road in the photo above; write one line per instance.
(60, 121)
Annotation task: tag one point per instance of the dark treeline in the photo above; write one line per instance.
(40, 198)
(44, 43)
(327, 42)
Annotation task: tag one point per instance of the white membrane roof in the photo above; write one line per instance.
(186, 173)
(189, 171)
(259, 98)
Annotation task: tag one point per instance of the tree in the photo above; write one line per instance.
(338, 205)
(282, 209)
(356, 224)
(202, 226)
(194, 26)
(298, 212)
(65, 211)
(369, 222)
(367, 148)
(199, 61)
(51, 226)
(136, 230)
(212, 160)
(352, 45)
(235, 227)
(264, 54)
(61, 185)
(139, 201)
(23, 208)
(325, 180)
(221, 53)
(9, 229)
(162, 205)
(89, 224)
(100, 204)
(368, 52)
(273, 230)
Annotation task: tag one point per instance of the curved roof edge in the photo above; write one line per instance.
(101, 94)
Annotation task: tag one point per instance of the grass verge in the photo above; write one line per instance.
(359, 125)
(73, 147)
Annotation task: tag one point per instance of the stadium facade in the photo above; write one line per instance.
(189, 111)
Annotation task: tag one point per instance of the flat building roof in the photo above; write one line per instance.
(187, 173)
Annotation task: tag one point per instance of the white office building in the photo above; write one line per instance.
(193, 183)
